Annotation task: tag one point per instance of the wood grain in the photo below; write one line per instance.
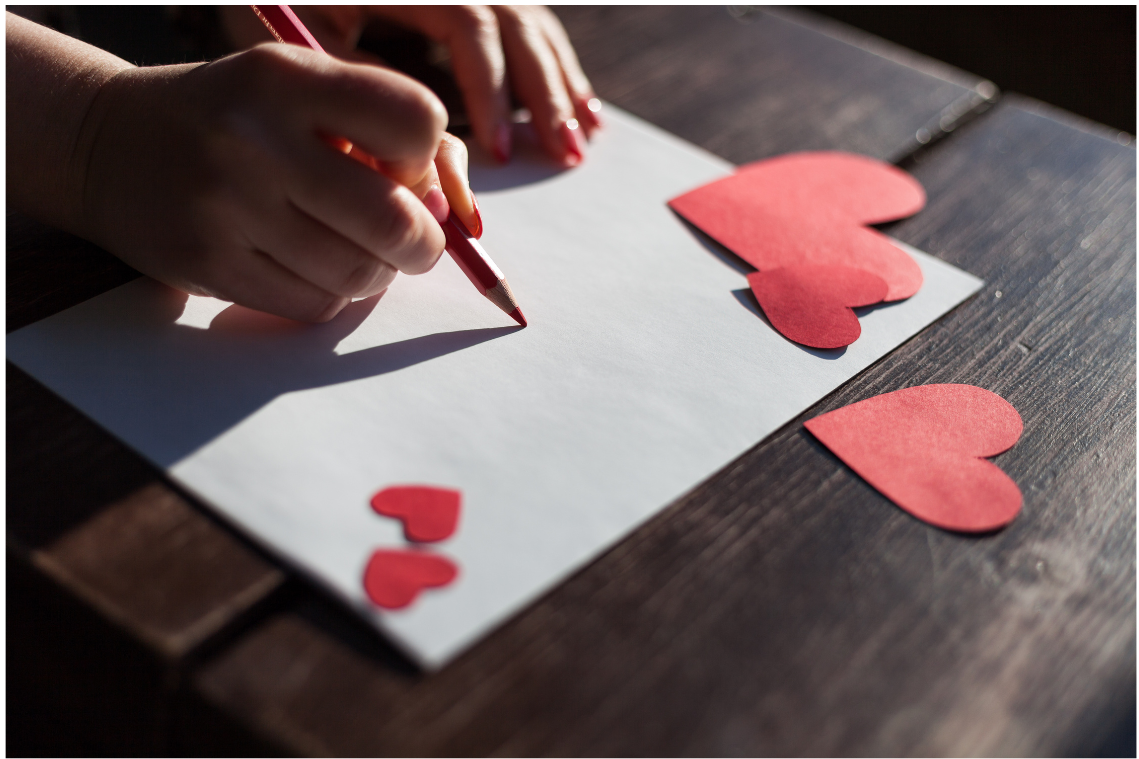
(784, 606)
(114, 578)
(768, 84)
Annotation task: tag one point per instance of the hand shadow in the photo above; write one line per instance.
(198, 383)
(528, 165)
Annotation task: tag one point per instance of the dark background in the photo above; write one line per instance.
(1081, 58)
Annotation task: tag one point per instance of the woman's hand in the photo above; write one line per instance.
(224, 179)
(493, 49)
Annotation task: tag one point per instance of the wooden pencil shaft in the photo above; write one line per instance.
(470, 256)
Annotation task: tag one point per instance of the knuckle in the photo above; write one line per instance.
(426, 252)
(363, 275)
(407, 108)
(412, 247)
(391, 231)
(322, 308)
(426, 115)
(263, 65)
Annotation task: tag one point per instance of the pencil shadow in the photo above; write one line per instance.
(201, 382)
(528, 165)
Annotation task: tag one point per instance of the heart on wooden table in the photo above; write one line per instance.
(429, 514)
(393, 579)
(812, 209)
(924, 448)
(811, 304)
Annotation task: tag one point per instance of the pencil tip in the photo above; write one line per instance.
(517, 316)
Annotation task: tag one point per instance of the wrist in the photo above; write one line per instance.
(52, 82)
(80, 194)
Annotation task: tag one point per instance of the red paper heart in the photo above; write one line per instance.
(924, 448)
(429, 514)
(811, 304)
(811, 208)
(393, 579)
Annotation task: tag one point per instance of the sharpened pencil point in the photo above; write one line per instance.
(517, 316)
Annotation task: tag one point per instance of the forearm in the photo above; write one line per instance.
(52, 84)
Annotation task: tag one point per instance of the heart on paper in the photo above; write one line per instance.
(393, 579)
(811, 208)
(924, 448)
(429, 514)
(811, 304)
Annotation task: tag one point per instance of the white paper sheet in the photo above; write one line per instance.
(644, 370)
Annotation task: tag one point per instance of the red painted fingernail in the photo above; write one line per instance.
(437, 204)
(477, 231)
(502, 138)
(571, 138)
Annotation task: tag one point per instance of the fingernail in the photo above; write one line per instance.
(502, 139)
(571, 138)
(437, 204)
(477, 231)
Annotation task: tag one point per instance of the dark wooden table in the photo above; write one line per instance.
(783, 606)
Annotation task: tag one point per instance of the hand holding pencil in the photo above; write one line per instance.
(215, 179)
(284, 25)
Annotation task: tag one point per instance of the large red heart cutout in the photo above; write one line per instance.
(811, 208)
(428, 513)
(393, 579)
(811, 304)
(924, 449)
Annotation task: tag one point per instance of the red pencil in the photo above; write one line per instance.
(463, 247)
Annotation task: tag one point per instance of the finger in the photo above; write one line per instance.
(321, 256)
(585, 102)
(388, 115)
(536, 77)
(472, 36)
(451, 163)
(380, 215)
(256, 281)
(430, 191)
(471, 33)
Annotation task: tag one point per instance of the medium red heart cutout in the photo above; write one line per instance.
(811, 304)
(811, 208)
(924, 448)
(428, 513)
(393, 579)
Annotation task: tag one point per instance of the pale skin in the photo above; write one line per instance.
(226, 179)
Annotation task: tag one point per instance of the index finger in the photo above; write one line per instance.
(388, 115)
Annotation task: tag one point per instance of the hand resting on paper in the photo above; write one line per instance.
(222, 179)
(493, 49)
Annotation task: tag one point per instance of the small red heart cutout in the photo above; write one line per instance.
(429, 514)
(924, 448)
(393, 579)
(811, 304)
